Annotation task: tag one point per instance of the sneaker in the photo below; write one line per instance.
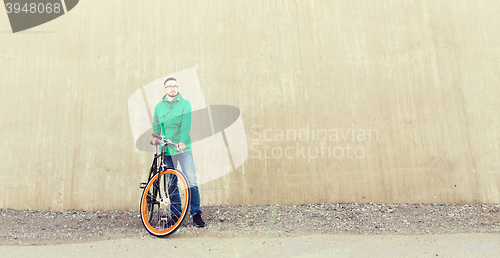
(198, 222)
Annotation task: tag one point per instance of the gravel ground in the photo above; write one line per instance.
(42, 227)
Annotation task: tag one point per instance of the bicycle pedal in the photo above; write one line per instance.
(164, 222)
(143, 185)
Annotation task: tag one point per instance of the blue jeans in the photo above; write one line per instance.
(187, 164)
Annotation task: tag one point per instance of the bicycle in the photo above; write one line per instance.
(165, 199)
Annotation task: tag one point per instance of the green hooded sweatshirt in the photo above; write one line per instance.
(173, 120)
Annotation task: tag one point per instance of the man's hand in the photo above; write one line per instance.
(154, 141)
(182, 146)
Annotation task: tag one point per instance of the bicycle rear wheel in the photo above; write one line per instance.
(164, 202)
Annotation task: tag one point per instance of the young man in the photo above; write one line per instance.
(172, 118)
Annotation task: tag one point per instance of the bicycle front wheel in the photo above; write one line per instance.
(164, 202)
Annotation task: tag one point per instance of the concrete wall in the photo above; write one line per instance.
(416, 81)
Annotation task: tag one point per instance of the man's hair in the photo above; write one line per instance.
(169, 79)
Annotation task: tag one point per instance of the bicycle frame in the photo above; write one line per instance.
(154, 167)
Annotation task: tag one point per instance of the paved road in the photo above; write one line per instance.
(449, 245)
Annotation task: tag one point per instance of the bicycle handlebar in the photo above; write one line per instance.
(165, 142)
(156, 136)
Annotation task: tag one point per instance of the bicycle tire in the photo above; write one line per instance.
(165, 202)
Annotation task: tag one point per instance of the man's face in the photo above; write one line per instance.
(171, 88)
